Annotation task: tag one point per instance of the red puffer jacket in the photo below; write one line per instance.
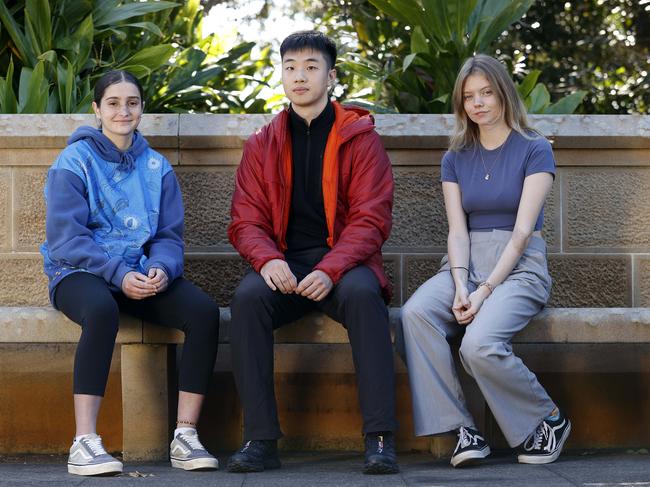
(357, 195)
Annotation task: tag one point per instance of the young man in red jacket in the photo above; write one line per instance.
(311, 210)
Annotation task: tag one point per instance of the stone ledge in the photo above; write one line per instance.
(415, 131)
(552, 325)
(46, 325)
(52, 131)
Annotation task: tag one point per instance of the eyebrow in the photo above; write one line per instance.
(128, 97)
(309, 60)
(480, 89)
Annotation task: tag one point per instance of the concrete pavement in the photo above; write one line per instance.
(585, 469)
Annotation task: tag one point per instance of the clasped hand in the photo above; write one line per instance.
(278, 276)
(136, 285)
(467, 305)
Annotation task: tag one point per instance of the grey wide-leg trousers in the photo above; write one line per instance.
(515, 397)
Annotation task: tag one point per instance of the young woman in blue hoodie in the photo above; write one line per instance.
(114, 243)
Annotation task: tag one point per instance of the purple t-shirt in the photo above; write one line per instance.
(493, 203)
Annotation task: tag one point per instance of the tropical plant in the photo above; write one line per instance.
(54, 51)
(409, 51)
(538, 100)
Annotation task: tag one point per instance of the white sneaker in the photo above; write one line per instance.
(187, 452)
(88, 457)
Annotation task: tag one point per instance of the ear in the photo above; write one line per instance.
(331, 78)
(96, 109)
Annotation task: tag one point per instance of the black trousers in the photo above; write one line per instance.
(355, 301)
(87, 300)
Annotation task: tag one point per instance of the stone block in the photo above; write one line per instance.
(216, 274)
(211, 157)
(552, 216)
(415, 157)
(602, 157)
(203, 131)
(22, 281)
(207, 194)
(46, 325)
(605, 209)
(145, 395)
(5, 209)
(29, 208)
(28, 156)
(418, 269)
(419, 220)
(590, 281)
(588, 325)
(36, 408)
(392, 268)
(642, 280)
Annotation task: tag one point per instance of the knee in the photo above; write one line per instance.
(249, 295)
(102, 316)
(360, 292)
(480, 351)
(204, 318)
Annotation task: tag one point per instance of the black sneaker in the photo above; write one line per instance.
(471, 447)
(546, 442)
(255, 456)
(380, 454)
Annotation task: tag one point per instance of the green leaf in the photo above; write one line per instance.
(83, 42)
(8, 102)
(148, 59)
(492, 17)
(49, 56)
(418, 40)
(38, 13)
(65, 85)
(528, 83)
(25, 51)
(129, 10)
(33, 90)
(568, 104)
(539, 99)
(150, 26)
(408, 60)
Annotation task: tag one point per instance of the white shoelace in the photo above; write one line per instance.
(193, 441)
(542, 433)
(95, 444)
(464, 438)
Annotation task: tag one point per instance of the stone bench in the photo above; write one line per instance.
(145, 352)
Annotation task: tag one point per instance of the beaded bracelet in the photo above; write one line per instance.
(182, 421)
(487, 285)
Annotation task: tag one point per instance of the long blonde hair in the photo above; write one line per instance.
(513, 110)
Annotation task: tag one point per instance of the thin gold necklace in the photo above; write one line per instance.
(480, 151)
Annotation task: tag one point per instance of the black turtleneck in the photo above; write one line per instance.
(307, 227)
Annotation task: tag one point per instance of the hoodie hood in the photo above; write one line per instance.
(107, 150)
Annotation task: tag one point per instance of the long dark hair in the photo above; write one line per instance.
(113, 77)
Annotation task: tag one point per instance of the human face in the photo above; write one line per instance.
(306, 79)
(120, 111)
(481, 102)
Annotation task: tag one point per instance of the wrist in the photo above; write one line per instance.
(486, 288)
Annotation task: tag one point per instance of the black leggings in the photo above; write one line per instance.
(87, 300)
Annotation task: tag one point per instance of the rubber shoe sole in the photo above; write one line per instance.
(108, 468)
(377, 468)
(544, 459)
(243, 467)
(196, 464)
(470, 457)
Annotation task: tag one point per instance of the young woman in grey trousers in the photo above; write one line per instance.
(493, 280)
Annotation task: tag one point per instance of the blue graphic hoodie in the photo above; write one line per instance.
(110, 212)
